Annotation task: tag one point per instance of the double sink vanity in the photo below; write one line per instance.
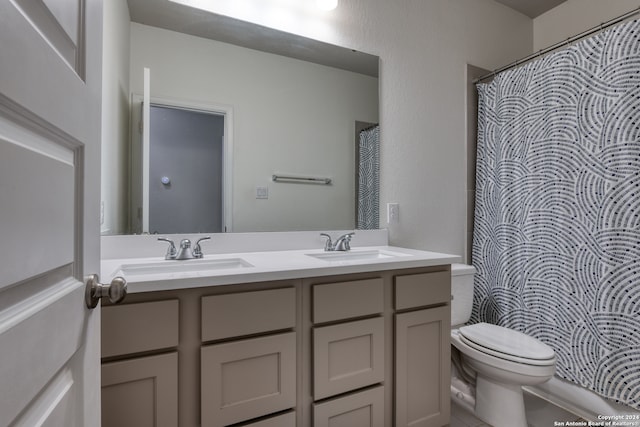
(266, 334)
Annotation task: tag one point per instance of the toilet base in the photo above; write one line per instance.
(499, 404)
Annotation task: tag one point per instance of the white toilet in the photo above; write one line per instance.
(503, 360)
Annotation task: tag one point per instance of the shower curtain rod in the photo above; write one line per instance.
(541, 52)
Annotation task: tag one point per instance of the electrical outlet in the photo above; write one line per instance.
(393, 213)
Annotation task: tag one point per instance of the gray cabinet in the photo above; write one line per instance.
(355, 350)
(237, 314)
(422, 351)
(237, 361)
(247, 379)
(350, 354)
(140, 327)
(347, 356)
(362, 409)
(141, 392)
(347, 299)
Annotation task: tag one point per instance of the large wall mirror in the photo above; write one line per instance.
(283, 106)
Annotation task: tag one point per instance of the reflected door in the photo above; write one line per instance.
(185, 171)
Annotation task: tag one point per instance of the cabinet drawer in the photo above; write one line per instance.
(359, 409)
(134, 328)
(141, 392)
(246, 313)
(419, 290)
(347, 356)
(247, 379)
(286, 420)
(337, 301)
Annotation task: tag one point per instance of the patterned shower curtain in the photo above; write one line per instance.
(556, 241)
(369, 179)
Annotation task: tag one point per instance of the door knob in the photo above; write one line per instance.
(115, 291)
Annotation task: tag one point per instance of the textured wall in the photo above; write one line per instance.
(425, 46)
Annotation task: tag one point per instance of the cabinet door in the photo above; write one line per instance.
(347, 356)
(422, 368)
(246, 379)
(364, 409)
(141, 392)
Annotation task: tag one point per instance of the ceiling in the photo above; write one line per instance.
(177, 17)
(531, 8)
(172, 16)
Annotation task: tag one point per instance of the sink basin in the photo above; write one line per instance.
(371, 255)
(196, 267)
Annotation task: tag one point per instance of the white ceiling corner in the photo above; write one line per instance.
(531, 8)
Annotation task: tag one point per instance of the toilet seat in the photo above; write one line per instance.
(507, 344)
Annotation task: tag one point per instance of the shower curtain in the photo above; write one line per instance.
(556, 240)
(369, 179)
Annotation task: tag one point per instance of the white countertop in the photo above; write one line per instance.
(248, 267)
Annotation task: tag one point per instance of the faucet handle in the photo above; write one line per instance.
(197, 250)
(347, 241)
(328, 246)
(171, 251)
(343, 242)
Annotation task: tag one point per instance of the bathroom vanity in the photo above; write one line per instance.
(281, 338)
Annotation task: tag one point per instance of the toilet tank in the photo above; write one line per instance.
(462, 293)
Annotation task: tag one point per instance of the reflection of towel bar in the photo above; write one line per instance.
(301, 179)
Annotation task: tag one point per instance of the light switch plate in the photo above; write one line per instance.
(262, 192)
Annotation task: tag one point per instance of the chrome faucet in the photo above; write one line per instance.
(185, 251)
(342, 243)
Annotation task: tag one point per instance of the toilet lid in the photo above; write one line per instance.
(507, 343)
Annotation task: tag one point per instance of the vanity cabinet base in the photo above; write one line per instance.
(353, 350)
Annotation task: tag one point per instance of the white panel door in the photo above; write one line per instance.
(50, 84)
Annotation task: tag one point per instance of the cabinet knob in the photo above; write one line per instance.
(116, 291)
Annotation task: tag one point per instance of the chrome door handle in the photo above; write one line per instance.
(94, 290)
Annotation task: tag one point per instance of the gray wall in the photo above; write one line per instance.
(114, 182)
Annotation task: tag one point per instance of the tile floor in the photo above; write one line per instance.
(539, 414)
